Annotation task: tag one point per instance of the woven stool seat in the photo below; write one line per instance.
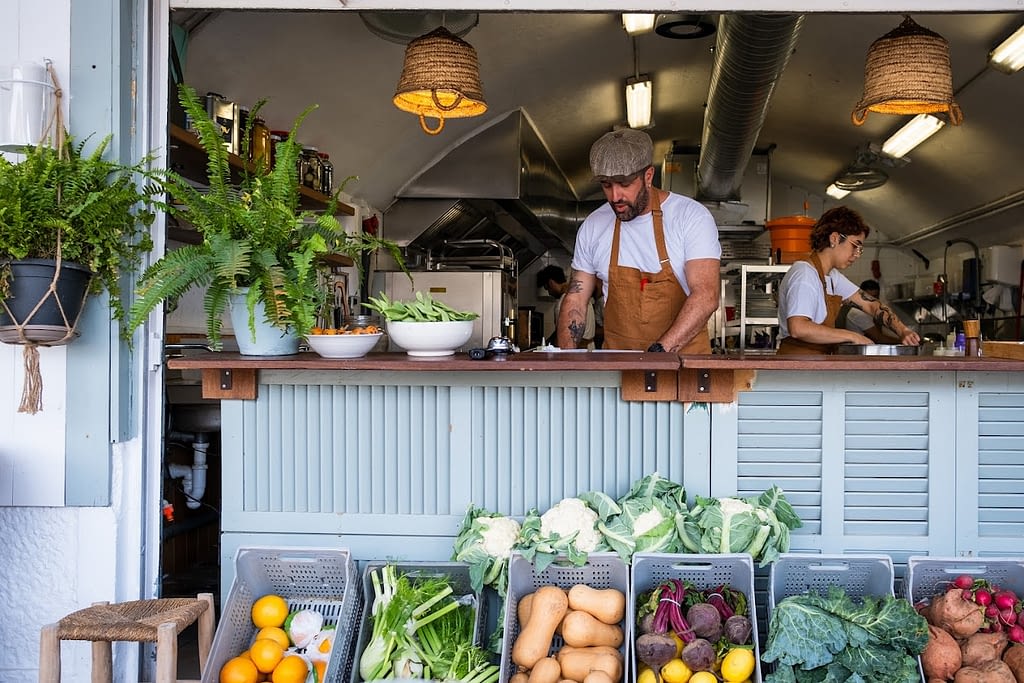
(159, 620)
(134, 621)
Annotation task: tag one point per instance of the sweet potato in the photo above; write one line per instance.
(989, 672)
(983, 647)
(941, 657)
(962, 618)
(1014, 658)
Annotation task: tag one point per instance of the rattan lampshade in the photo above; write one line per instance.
(440, 79)
(907, 71)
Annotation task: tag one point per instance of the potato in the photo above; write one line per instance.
(989, 672)
(983, 647)
(962, 618)
(1014, 658)
(941, 657)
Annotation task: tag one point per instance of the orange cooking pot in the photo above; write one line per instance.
(790, 237)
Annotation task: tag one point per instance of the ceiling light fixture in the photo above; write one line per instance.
(683, 26)
(916, 131)
(835, 193)
(907, 71)
(1009, 56)
(440, 79)
(639, 95)
(638, 24)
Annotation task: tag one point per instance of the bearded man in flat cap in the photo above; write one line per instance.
(657, 254)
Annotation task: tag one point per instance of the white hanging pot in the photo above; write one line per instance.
(267, 339)
(26, 100)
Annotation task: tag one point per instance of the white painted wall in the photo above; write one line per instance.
(56, 559)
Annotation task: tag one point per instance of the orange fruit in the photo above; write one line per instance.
(238, 670)
(292, 669)
(266, 654)
(274, 633)
(270, 610)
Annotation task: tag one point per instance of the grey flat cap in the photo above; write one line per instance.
(621, 153)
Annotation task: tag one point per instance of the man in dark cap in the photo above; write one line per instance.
(656, 252)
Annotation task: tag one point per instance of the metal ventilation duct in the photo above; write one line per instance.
(751, 53)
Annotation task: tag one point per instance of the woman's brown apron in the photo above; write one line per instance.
(833, 302)
(641, 306)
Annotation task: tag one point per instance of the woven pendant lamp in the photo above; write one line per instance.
(907, 71)
(440, 79)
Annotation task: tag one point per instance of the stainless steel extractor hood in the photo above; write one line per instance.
(499, 186)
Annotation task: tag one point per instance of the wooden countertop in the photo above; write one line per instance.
(644, 376)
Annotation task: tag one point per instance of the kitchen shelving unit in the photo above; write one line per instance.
(751, 312)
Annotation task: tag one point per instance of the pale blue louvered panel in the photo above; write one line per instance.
(886, 464)
(533, 446)
(779, 442)
(1001, 465)
(353, 449)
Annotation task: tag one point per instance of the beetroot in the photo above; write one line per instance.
(655, 650)
(738, 629)
(705, 621)
(699, 655)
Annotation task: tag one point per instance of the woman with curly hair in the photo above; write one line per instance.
(814, 289)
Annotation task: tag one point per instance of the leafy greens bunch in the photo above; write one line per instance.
(835, 638)
(758, 525)
(424, 309)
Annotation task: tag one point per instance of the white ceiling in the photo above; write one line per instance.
(567, 71)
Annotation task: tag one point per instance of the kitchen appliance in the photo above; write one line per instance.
(488, 293)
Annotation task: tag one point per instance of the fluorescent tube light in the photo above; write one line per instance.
(635, 24)
(835, 193)
(919, 129)
(1009, 56)
(638, 101)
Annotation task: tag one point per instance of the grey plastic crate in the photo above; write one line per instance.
(458, 575)
(602, 570)
(858, 575)
(323, 579)
(928, 576)
(703, 571)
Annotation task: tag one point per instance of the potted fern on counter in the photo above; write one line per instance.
(257, 249)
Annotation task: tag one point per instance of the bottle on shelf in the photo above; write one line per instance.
(260, 144)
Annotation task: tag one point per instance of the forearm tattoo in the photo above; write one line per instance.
(575, 286)
(885, 317)
(576, 328)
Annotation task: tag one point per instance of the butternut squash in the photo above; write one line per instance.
(578, 664)
(593, 650)
(523, 609)
(546, 670)
(598, 676)
(581, 629)
(520, 677)
(550, 604)
(605, 604)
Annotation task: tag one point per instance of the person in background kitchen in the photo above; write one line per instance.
(852, 318)
(552, 279)
(656, 253)
(813, 290)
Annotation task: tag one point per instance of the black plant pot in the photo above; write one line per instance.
(29, 283)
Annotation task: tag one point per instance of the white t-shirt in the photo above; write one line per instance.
(800, 294)
(690, 233)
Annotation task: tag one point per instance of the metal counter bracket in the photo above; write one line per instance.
(650, 381)
(713, 385)
(704, 381)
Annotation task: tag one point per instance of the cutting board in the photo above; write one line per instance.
(1003, 349)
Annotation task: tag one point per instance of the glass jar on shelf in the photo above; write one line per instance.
(310, 169)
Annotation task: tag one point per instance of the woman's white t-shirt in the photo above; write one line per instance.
(690, 233)
(800, 294)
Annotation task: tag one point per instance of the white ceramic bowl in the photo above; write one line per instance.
(343, 345)
(430, 338)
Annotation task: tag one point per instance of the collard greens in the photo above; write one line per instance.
(834, 638)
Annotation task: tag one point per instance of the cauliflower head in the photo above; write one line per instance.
(572, 516)
(499, 535)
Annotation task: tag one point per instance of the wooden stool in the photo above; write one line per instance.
(143, 621)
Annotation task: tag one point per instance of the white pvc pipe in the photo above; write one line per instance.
(193, 479)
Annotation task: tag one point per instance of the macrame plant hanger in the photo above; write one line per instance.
(32, 389)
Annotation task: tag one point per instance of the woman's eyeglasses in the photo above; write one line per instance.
(858, 247)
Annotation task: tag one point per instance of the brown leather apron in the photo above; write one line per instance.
(833, 302)
(641, 306)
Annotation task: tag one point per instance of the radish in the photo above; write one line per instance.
(967, 595)
(1005, 600)
(991, 611)
(1008, 616)
(1016, 634)
(982, 597)
(964, 581)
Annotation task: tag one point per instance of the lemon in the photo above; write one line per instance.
(679, 643)
(703, 677)
(738, 665)
(676, 671)
(646, 675)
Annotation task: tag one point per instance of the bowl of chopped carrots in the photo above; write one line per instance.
(347, 342)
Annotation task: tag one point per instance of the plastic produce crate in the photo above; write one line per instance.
(323, 579)
(859, 575)
(602, 570)
(458, 574)
(703, 571)
(928, 576)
